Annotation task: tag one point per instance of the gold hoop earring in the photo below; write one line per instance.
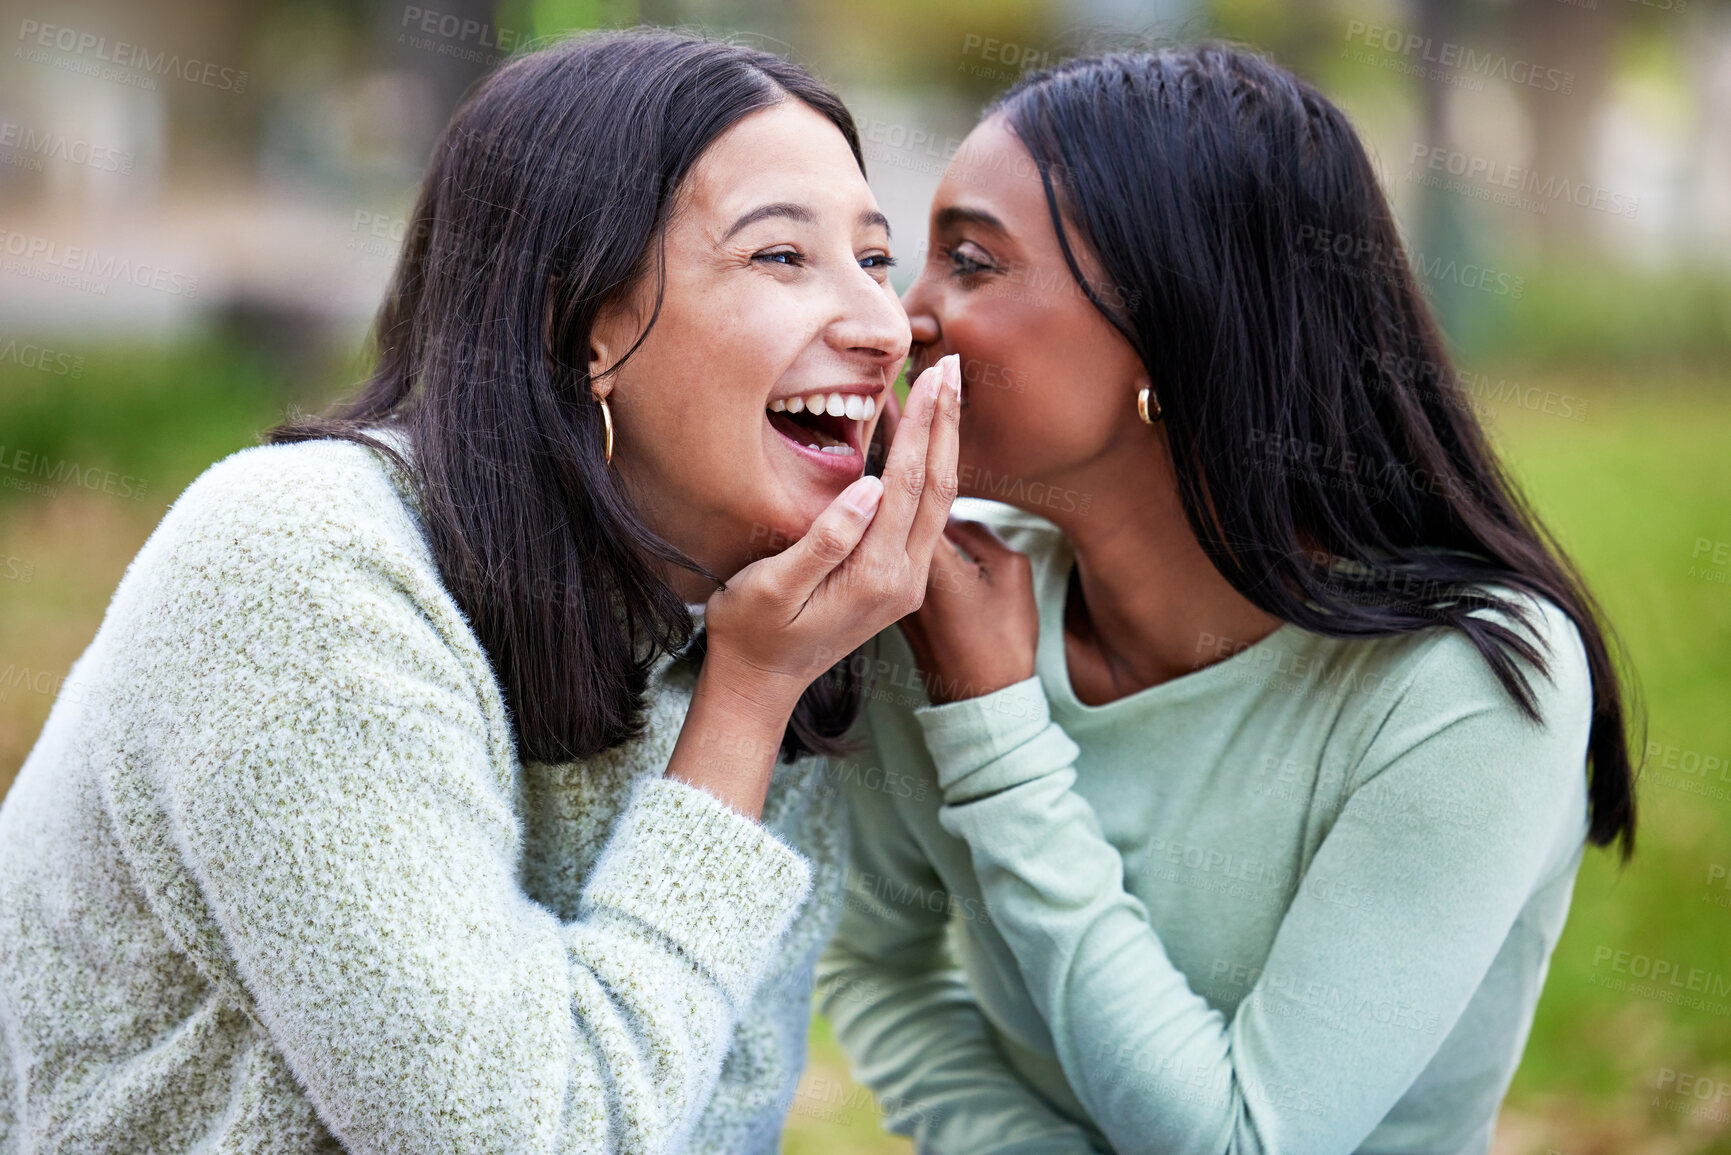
(607, 418)
(1142, 399)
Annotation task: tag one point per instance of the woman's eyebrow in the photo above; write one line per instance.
(784, 209)
(787, 210)
(962, 215)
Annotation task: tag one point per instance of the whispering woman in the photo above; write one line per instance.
(393, 810)
(1263, 726)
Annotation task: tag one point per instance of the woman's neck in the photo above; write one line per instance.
(1152, 606)
(693, 587)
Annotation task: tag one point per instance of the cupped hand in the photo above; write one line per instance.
(784, 620)
(979, 626)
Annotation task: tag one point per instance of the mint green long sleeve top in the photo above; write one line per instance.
(1300, 900)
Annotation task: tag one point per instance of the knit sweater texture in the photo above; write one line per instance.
(273, 878)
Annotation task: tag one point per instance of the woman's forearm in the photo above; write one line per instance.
(732, 732)
(1155, 1064)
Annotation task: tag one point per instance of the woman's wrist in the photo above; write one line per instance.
(732, 734)
(943, 688)
(763, 695)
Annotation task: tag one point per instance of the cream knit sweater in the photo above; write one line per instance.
(273, 878)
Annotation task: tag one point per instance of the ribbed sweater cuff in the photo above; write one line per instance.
(995, 741)
(718, 885)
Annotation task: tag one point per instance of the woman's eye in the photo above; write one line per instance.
(789, 257)
(963, 265)
(878, 261)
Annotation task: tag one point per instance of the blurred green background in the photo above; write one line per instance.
(264, 202)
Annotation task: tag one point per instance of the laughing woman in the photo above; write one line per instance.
(392, 812)
(1257, 751)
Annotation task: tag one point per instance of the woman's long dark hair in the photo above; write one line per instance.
(547, 198)
(1250, 258)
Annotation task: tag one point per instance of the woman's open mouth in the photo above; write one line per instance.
(828, 427)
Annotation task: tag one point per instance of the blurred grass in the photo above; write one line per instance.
(1588, 318)
(140, 422)
(1629, 490)
(159, 413)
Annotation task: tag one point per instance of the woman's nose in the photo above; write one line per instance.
(922, 321)
(923, 327)
(871, 320)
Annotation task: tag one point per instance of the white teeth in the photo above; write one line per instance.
(838, 450)
(853, 406)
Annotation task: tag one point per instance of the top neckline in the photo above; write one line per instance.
(1053, 667)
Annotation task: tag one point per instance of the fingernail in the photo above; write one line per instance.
(952, 363)
(863, 495)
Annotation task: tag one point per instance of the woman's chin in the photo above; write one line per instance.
(797, 516)
(797, 491)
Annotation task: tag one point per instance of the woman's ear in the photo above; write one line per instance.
(604, 351)
(599, 385)
(612, 335)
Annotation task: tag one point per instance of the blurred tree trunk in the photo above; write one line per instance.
(1573, 40)
(446, 79)
(1441, 231)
